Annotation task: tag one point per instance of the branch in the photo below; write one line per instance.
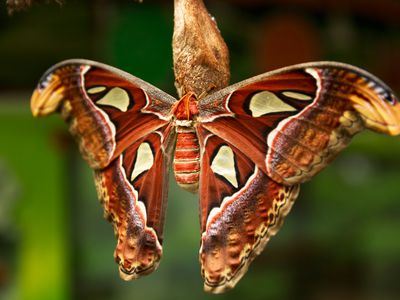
(18, 5)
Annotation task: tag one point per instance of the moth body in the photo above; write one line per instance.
(186, 163)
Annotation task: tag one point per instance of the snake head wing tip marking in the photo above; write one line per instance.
(46, 99)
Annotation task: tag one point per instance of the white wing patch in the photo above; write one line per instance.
(144, 160)
(297, 96)
(117, 98)
(224, 164)
(96, 89)
(266, 102)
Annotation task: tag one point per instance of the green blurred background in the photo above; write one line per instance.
(342, 238)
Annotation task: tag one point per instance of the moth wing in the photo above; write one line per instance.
(133, 189)
(240, 209)
(122, 125)
(294, 121)
(261, 138)
(106, 109)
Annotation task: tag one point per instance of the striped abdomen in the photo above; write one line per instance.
(187, 158)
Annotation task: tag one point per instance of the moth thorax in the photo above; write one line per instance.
(187, 159)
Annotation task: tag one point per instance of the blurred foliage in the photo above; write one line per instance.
(340, 241)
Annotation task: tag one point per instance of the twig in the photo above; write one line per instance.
(18, 5)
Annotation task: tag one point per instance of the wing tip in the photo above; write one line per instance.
(46, 98)
(136, 273)
(224, 284)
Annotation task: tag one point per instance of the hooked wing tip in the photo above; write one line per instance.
(47, 97)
